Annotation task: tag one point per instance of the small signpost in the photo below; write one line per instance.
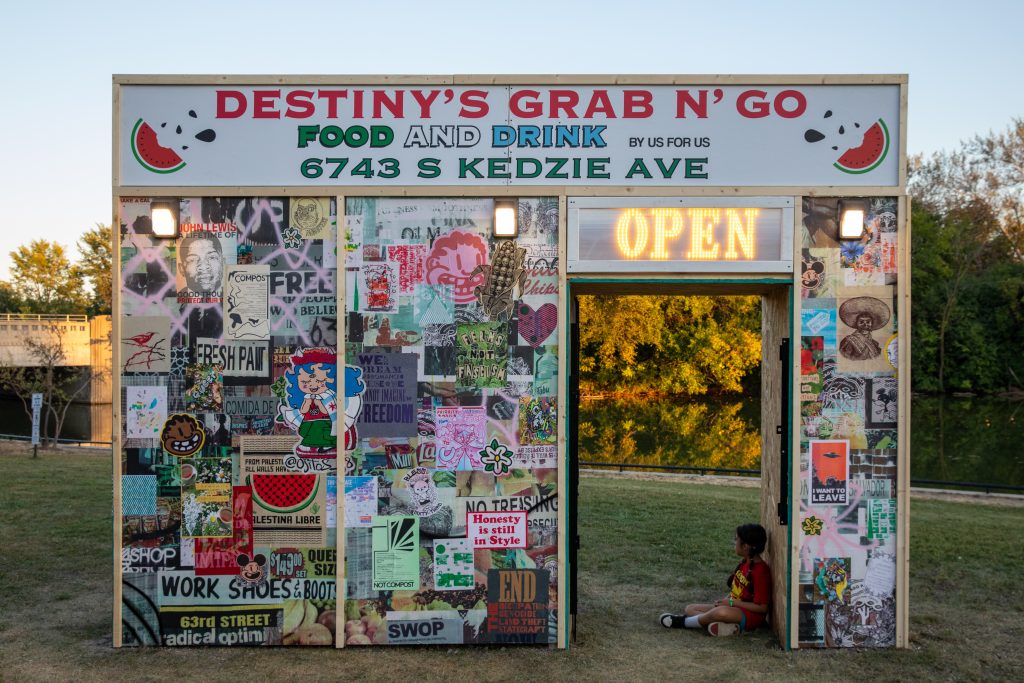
(37, 404)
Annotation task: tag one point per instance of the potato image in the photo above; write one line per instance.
(314, 634)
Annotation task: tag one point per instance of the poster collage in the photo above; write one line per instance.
(233, 453)
(848, 435)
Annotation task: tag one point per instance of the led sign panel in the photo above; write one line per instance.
(680, 235)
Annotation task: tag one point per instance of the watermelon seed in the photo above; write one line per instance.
(184, 147)
(828, 113)
(208, 135)
(834, 147)
(842, 130)
(178, 130)
(811, 135)
(856, 124)
(192, 113)
(163, 125)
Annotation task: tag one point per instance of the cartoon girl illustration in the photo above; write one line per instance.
(311, 405)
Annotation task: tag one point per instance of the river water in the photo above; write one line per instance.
(952, 439)
(85, 422)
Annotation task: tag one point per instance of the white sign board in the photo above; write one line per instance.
(636, 135)
(37, 404)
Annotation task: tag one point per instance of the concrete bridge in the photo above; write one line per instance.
(83, 342)
(72, 332)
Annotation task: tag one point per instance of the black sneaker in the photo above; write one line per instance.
(671, 620)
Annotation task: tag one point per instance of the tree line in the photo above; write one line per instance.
(967, 280)
(45, 279)
(967, 269)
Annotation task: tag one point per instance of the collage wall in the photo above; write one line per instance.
(230, 437)
(848, 434)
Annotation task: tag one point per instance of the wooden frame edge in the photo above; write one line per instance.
(341, 296)
(506, 190)
(795, 454)
(563, 376)
(902, 169)
(903, 292)
(510, 79)
(117, 521)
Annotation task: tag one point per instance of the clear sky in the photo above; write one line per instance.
(964, 60)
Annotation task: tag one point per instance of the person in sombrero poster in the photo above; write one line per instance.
(864, 314)
(311, 405)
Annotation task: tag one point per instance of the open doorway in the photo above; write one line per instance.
(643, 543)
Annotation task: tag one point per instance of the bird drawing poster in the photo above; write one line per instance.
(246, 302)
(146, 344)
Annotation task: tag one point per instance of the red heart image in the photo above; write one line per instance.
(536, 326)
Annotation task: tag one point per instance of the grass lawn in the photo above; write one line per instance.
(647, 546)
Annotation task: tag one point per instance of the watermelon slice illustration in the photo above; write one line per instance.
(283, 493)
(869, 154)
(150, 153)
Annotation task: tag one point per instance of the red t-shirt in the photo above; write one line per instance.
(751, 582)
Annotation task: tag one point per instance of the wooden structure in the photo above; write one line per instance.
(818, 572)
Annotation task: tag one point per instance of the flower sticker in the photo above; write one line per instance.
(850, 253)
(497, 458)
(811, 526)
(291, 237)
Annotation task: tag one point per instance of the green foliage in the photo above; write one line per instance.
(668, 344)
(10, 302)
(967, 270)
(94, 267)
(44, 280)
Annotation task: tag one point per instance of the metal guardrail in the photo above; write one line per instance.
(45, 317)
(987, 487)
(969, 484)
(676, 468)
(77, 442)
